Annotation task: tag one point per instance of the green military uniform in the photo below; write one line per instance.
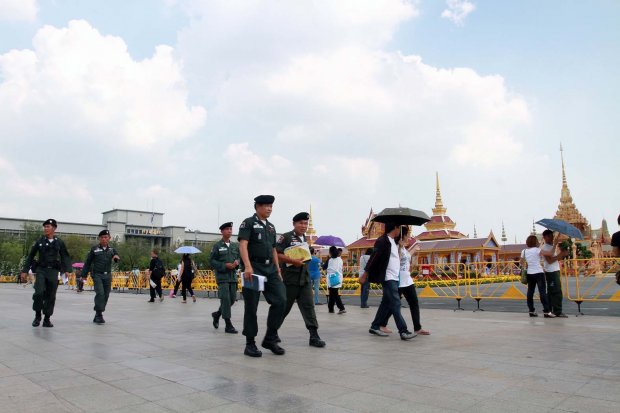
(297, 282)
(261, 239)
(53, 258)
(100, 258)
(221, 254)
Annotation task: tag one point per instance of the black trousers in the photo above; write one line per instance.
(186, 285)
(275, 295)
(334, 299)
(45, 286)
(157, 289)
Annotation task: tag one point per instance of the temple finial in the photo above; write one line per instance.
(439, 208)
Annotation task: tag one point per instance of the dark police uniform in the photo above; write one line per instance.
(100, 259)
(299, 288)
(53, 258)
(261, 239)
(222, 254)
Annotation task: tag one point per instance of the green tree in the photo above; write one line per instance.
(134, 253)
(77, 246)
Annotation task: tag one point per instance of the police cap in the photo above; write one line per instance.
(264, 199)
(104, 232)
(302, 216)
(226, 225)
(51, 222)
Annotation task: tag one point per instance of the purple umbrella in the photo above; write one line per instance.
(329, 240)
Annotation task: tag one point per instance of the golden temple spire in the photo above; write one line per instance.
(564, 184)
(439, 208)
(504, 237)
(310, 232)
(567, 211)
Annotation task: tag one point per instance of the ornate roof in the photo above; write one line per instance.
(567, 211)
(440, 226)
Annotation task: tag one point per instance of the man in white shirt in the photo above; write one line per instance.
(551, 265)
(384, 267)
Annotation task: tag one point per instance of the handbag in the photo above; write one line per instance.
(334, 279)
(524, 270)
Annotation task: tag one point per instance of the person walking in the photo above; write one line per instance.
(334, 280)
(100, 257)
(257, 247)
(53, 257)
(535, 276)
(297, 278)
(366, 285)
(384, 267)
(187, 276)
(225, 261)
(314, 269)
(406, 286)
(551, 265)
(156, 272)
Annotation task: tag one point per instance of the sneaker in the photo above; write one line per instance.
(343, 311)
(173, 296)
(561, 315)
(407, 335)
(549, 315)
(377, 332)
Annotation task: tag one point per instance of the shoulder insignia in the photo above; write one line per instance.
(242, 225)
(281, 239)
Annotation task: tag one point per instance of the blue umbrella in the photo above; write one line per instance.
(562, 227)
(187, 249)
(329, 240)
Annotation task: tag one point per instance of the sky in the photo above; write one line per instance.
(192, 108)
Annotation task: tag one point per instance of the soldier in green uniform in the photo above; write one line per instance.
(257, 247)
(225, 260)
(297, 279)
(53, 257)
(100, 258)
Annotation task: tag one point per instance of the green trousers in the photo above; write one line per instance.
(103, 284)
(228, 294)
(45, 286)
(275, 295)
(305, 301)
(554, 291)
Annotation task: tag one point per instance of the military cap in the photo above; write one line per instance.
(104, 232)
(51, 222)
(226, 225)
(265, 199)
(302, 216)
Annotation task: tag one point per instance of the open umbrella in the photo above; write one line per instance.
(402, 216)
(562, 227)
(187, 249)
(330, 240)
(78, 265)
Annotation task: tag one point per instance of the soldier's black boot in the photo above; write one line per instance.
(251, 349)
(216, 319)
(315, 340)
(37, 320)
(230, 329)
(47, 322)
(270, 343)
(99, 318)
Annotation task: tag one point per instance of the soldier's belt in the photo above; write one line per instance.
(261, 261)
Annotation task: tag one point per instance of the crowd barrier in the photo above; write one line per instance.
(591, 280)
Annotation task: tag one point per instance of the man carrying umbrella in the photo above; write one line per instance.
(297, 278)
(225, 260)
(257, 247)
(100, 258)
(551, 265)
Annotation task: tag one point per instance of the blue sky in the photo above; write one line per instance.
(346, 106)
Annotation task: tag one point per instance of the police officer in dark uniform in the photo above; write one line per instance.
(257, 242)
(297, 279)
(225, 260)
(100, 258)
(53, 257)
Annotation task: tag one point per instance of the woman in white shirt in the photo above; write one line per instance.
(406, 287)
(535, 276)
(334, 266)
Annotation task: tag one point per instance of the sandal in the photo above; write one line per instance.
(423, 332)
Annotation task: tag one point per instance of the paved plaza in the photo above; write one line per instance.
(165, 357)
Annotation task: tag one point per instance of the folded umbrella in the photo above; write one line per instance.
(330, 240)
(562, 227)
(187, 249)
(402, 216)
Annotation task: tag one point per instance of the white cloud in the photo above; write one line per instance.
(458, 10)
(18, 10)
(79, 81)
(247, 162)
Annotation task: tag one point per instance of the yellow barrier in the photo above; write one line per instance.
(594, 280)
(494, 280)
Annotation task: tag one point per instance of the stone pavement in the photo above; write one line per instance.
(166, 357)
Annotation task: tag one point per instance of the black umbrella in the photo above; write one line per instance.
(402, 216)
